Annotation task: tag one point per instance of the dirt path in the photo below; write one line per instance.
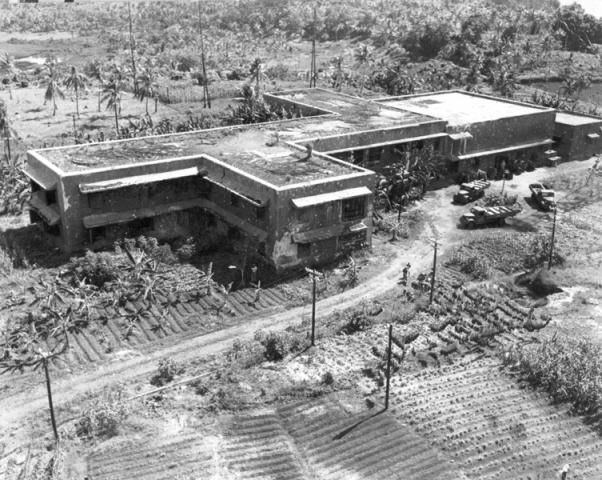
(444, 215)
(14, 409)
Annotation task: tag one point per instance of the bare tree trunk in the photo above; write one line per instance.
(206, 96)
(7, 136)
(147, 105)
(116, 121)
(77, 100)
(132, 49)
(156, 101)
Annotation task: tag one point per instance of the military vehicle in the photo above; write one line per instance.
(471, 191)
(543, 196)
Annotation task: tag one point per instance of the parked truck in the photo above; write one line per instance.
(471, 191)
(543, 196)
(485, 216)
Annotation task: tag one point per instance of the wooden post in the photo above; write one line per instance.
(314, 274)
(74, 130)
(552, 241)
(48, 389)
(313, 313)
(433, 274)
(388, 368)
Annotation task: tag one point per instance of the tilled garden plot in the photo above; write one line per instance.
(181, 320)
(492, 426)
(320, 439)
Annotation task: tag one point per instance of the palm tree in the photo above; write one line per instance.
(4, 126)
(112, 97)
(363, 59)
(8, 62)
(146, 87)
(257, 74)
(77, 82)
(52, 89)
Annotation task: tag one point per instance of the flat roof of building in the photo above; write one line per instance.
(461, 108)
(252, 149)
(262, 150)
(575, 120)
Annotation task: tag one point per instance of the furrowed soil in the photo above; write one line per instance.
(455, 411)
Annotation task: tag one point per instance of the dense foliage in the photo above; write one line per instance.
(569, 370)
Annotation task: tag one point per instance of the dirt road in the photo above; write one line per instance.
(13, 410)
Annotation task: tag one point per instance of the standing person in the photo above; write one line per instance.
(406, 273)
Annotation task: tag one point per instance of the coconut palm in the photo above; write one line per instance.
(7, 62)
(363, 58)
(112, 97)
(53, 90)
(257, 74)
(146, 87)
(77, 82)
(4, 126)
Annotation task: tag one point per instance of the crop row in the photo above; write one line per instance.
(120, 330)
(492, 428)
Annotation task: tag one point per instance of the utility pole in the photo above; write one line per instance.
(206, 97)
(132, 46)
(433, 273)
(314, 274)
(552, 241)
(313, 73)
(52, 419)
(388, 367)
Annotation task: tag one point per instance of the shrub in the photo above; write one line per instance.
(277, 344)
(246, 354)
(569, 370)
(166, 372)
(477, 267)
(539, 252)
(103, 417)
(95, 268)
(327, 379)
(357, 321)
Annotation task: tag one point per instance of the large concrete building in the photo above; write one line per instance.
(288, 185)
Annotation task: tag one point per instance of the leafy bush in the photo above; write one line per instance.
(246, 354)
(95, 268)
(277, 344)
(327, 379)
(569, 370)
(478, 267)
(357, 321)
(539, 253)
(103, 417)
(166, 372)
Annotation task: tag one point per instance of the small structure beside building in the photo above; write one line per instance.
(300, 191)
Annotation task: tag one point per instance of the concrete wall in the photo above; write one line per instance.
(507, 132)
(76, 206)
(299, 108)
(574, 143)
(290, 220)
(360, 139)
